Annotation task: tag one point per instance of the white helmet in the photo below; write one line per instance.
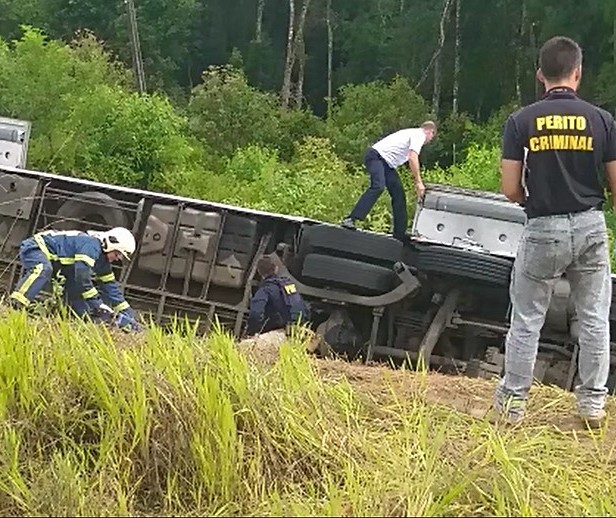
(118, 239)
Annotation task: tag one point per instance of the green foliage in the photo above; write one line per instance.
(454, 136)
(41, 78)
(490, 133)
(226, 113)
(85, 120)
(315, 184)
(606, 85)
(124, 138)
(372, 41)
(367, 112)
(479, 170)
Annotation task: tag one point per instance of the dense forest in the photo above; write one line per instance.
(227, 99)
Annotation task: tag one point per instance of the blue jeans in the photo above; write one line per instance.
(382, 176)
(575, 245)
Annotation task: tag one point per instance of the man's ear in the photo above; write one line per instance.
(540, 76)
(578, 74)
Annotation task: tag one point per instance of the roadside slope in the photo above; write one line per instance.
(99, 423)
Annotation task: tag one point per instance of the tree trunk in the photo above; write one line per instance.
(519, 53)
(438, 50)
(436, 90)
(330, 52)
(456, 63)
(135, 47)
(300, 54)
(299, 87)
(533, 44)
(614, 39)
(436, 93)
(290, 59)
(259, 28)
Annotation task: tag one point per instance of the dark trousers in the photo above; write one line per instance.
(37, 272)
(382, 176)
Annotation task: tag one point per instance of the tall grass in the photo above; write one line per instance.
(93, 423)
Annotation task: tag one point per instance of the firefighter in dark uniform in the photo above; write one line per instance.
(554, 155)
(80, 258)
(277, 303)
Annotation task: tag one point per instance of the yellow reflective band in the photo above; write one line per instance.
(38, 239)
(66, 261)
(89, 294)
(31, 279)
(20, 298)
(110, 277)
(121, 306)
(290, 289)
(85, 258)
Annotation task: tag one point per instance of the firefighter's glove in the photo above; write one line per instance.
(127, 323)
(104, 312)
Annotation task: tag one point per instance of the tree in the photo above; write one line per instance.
(296, 54)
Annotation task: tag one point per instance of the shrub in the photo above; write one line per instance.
(123, 138)
(226, 113)
(479, 170)
(41, 79)
(368, 111)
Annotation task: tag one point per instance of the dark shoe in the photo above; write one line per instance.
(404, 239)
(348, 223)
(16, 305)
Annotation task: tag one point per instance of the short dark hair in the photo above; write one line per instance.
(559, 57)
(266, 266)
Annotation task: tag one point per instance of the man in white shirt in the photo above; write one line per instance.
(381, 161)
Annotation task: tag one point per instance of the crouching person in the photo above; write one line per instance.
(277, 303)
(79, 257)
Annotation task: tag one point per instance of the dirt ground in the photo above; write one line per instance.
(547, 406)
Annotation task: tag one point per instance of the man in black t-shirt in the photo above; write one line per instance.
(552, 157)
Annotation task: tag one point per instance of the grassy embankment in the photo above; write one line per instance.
(106, 424)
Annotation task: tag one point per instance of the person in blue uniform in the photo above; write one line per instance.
(79, 257)
(276, 303)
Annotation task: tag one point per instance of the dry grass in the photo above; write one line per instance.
(94, 423)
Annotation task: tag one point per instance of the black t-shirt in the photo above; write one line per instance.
(563, 142)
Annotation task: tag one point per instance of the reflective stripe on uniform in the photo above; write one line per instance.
(20, 298)
(30, 279)
(121, 306)
(86, 259)
(38, 239)
(90, 294)
(109, 277)
(67, 261)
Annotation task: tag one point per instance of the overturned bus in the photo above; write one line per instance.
(442, 299)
